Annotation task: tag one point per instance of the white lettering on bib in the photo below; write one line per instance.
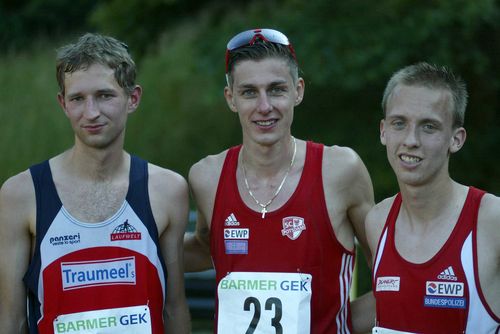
(125, 320)
(264, 303)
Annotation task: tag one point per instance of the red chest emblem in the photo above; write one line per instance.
(293, 227)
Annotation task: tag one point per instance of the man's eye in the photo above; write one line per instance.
(76, 99)
(277, 90)
(429, 127)
(248, 93)
(398, 124)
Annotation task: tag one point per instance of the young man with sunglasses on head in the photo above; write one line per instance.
(102, 227)
(277, 215)
(436, 243)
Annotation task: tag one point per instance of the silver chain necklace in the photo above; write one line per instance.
(264, 206)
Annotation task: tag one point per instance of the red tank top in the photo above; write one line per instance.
(296, 238)
(441, 295)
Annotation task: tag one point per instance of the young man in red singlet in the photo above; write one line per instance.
(436, 243)
(103, 228)
(277, 215)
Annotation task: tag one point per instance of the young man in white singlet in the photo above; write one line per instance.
(94, 230)
(436, 244)
(277, 215)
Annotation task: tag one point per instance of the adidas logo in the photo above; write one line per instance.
(231, 221)
(448, 274)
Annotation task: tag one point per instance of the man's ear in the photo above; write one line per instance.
(134, 99)
(382, 132)
(458, 139)
(62, 102)
(228, 94)
(299, 91)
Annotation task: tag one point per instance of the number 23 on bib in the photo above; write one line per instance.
(259, 303)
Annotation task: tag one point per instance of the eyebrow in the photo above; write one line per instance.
(272, 84)
(99, 91)
(424, 120)
(106, 91)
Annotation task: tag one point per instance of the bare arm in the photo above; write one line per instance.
(170, 204)
(364, 307)
(203, 179)
(488, 250)
(197, 246)
(363, 313)
(363, 200)
(17, 205)
(349, 194)
(349, 197)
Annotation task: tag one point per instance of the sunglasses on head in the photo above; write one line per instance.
(249, 37)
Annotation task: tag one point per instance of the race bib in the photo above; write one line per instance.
(125, 320)
(381, 330)
(262, 303)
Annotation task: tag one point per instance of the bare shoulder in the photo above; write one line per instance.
(343, 163)
(203, 181)
(204, 175)
(488, 218)
(169, 197)
(18, 195)
(344, 170)
(341, 155)
(165, 182)
(378, 214)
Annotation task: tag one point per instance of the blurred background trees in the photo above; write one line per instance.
(347, 51)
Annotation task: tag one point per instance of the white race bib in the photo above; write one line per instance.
(262, 303)
(125, 320)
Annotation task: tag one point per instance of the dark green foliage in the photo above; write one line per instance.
(23, 21)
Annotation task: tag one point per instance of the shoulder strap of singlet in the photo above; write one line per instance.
(138, 199)
(393, 213)
(312, 172)
(48, 205)
(227, 174)
(314, 159)
(387, 233)
(230, 163)
(138, 193)
(472, 204)
(48, 202)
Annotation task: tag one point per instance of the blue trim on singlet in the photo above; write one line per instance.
(48, 205)
(46, 198)
(138, 199)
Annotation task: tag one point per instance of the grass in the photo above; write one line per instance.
(32, 124)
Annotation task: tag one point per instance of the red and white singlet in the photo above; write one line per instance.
(442, 295)
(106, 277)
(285, 273)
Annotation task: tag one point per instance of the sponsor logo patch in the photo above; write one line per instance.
(448, 274)
(68, 239)
(444, 302)
(293, 227)
(236, 246)
(84, 274)
(231, 220)
(444, 294)
(125, 231)
(388, 283)
(236, 233)
(449, 289)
